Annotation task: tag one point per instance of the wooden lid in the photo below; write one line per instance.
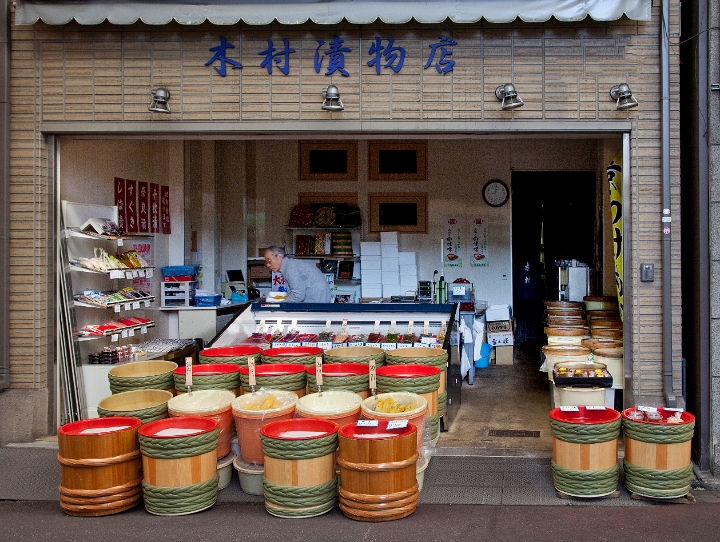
(606, 332)
(565, 331)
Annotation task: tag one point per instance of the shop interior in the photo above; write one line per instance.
(230, 198)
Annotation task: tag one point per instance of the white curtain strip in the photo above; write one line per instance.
(263, 12)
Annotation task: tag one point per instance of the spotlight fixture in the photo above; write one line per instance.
(509, 96)
(624, 97)
(159, 102)
(331, 99)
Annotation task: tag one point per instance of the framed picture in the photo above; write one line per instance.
(398, 211)
(328, 160)
(303, 244)
(344, 297)
(345, 269)
(397, 161)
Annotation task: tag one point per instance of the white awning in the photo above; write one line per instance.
(262, 12)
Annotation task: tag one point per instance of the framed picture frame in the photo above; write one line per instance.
(345, 269)
(344, 297)
(328, 161)
(405, 212)
(397, 161)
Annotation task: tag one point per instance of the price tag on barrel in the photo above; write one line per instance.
(366, 423)
(251, 373)
(397, 424)
(318, 374)
(188, 373)
(373, 376)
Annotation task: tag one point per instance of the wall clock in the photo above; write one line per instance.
(495, 193)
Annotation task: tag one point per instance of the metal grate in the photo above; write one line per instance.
(513, 433)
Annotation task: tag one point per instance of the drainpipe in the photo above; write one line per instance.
(670, 398)
(4, 193)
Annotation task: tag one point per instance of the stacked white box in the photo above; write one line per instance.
(371, 269)
(390, 290)
(407, 258)
(408, 272)
(368, 248)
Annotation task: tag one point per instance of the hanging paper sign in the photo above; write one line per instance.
(154, 207)
(119, 191)
(278, 282)
(452, 256)
(165, 208)
(142, 204)
(479, 242)
(614, 176)
(131, 217)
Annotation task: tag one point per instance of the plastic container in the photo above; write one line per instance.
(225, 470)
(250, 476)
(422, 465)
(210, 376)
(341, 407)
(207, 300)
(174, 270)
(416, 408)
(213, 404)
(250, 418)
(237, 355)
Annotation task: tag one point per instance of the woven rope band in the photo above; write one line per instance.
(180, 500)
(304, 360)
(420, 384)
(293, 449)
(176, 448)
(150, 414)
(378, 358)
(585, 483)
(436, 361)
(658, 434)
(356, 383)
(119, 384)
(291, 382)
(657, 483)
(234, 360)
(585, 434)
(228, 381)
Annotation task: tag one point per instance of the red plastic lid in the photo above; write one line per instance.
(99, 426)
(275, 369)
(299, 429)
(208, 369)
(585, 416)
(408, 371)
(292, 351)
(342, 369)
(686, 417)
(379, 431)
(231, 351)
(182, 426)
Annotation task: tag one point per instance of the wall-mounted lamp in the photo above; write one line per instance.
(332, 101)
(624, 96)
(159, 102)
(509, 96)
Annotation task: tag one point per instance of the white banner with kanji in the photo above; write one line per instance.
(479, 242)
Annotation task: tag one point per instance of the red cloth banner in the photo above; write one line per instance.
(165, 208)
(154, 207)
(131, 216)
(142, 203)
(120, 201)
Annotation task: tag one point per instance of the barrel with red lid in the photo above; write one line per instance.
(237, 355)
(304, 355)
(211, 376)
(421, 379)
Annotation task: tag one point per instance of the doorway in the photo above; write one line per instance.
(553, 219)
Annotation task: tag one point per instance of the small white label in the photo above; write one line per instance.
(136, 305)
(410, 327)
(262, 327)
(569, 409)
(647, 408)
(131, 332)
(376, 328)
(123, 334)
(668, 409)
(128, 274)
(114, 274)
(143, 330)
(127, 306)
(116, 308)
(293, 325)
(114, 338)
(426, 327)
(595, 407)
(120, 242)
(373, 374)
(149, 273)
(458, 290)
(327, 325)
(251, 371)
(141, 273)
(318, 371)
(366, 423)
(344, 327)
(147, 303)
(397, 424)
(188, 371)
(278, 326)
(666, 219)
(135, 274)
(392, 326)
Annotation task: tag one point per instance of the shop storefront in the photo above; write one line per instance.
(250, 93)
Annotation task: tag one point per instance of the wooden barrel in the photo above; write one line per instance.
(143, 375)
(179, 460)
(342, 376)
(564, 305)
(602, 303)
(276, 376)
(356, 354)
(563, 354)
(342, 407)
(657, 452)
(592, 315)
(605, 323)
(415, 410)
(585, 451)
(252, 411)
(378, 471)
(606, 333)
(425, 355)
(304, 355)
(100, 466)
(237, 355)
(213, 404)
(210, 376)
(148, 405)
(566, 335)
(602, 342)
(300, 475)
(579, 313)
(563, 321)
(613, 358)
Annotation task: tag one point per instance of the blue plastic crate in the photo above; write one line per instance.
(176, 270)
(207, 300)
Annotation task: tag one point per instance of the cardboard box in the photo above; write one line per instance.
(499, 326)
(371, 263)
(495, 313)
(407, 258)
(368, 248)
(503, 355)
(504, 338)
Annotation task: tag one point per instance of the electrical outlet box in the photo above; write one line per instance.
(647, 272)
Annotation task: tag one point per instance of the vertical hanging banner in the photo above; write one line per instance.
(154, 207)
(479, 242)
(142, 203)
(453, 253)
(120, 201)
(165, 208)
(131, 218)
(145, 250)
(614, 175)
